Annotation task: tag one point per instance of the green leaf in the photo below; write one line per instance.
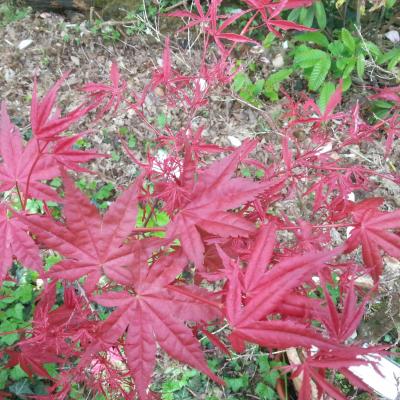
(162, 218)
(18, 311)
(341, 63)
(123, 130)
(265, 392)
(236, 384)
(263, 364)
(17, 373)
(3, 378)
(260, 174)
(51, 368)
(360, 65)
(9, 339)
(21, 388)
(132, 142)
(336, 48)
(172, 385)
(320, 14)
(394, 61)
(105, 192)
(373, 49)
(319, 73)
(161, 120)
(326, 92)
(387, 57)
(240, 81)
(258, 87)
(314, 37)
(306, 16)
(271, 378)
(269, 39)
(277, 77)
(294, 15)
(306, 57)
(349, 68)
(8, 326)
(271, 94)
(346, 83)
(348, 40)
(56, 183)
(115, 156)
(246, 172)
(50, 260)
(383, 104)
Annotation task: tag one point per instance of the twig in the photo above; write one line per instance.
(217, 331)
(389, 75)
(180, 3)
(117, 23)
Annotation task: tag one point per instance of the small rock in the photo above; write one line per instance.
(25, 43)
(75, 60)
(159, 92)
(257, 49)
(265, 60)
(235, 142)
(83, 29)
(9, 74)
(278, 61)
(393, 36)
(325, 149)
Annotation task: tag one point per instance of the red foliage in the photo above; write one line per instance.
(236, 249)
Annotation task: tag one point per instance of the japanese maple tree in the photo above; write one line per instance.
(239, 253)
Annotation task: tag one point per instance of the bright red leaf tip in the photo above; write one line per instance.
(90, 243)
(371, 230)
(46, 125)
(214, 193)
(105, 97)
(16, 242)
(153, 312)
(69, 158)
(22, 164)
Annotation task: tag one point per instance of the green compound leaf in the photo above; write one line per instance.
(314, 37)
(306, 57)
(319, 73)
(360, 65)
(348, 40)
(328, 88)
(265, 392)
(320, 14)
(277, 77)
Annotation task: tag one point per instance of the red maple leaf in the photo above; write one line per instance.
(315, 366)
(208, 200)
(153, 310)
(209, 23)
(22, 165)
(265, 290)
(45, 124)
(70, 158)
(341, 325)
(106, 96)
(371, 231)
(16, 242)
(90, 243)
(326, 115)
(270, 11)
